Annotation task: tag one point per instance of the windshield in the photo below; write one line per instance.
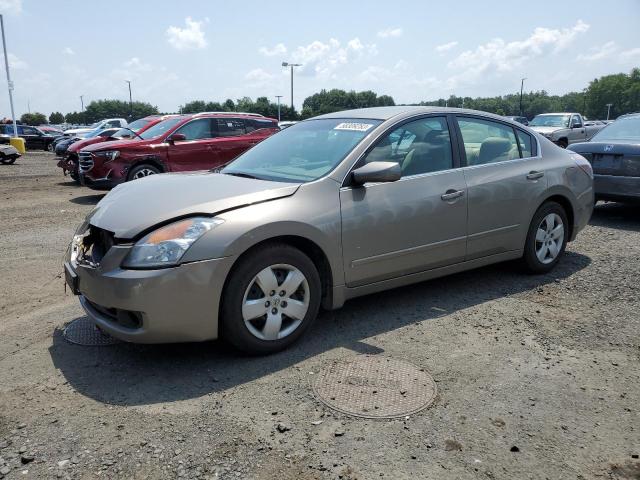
(95, 125)
(622, 129)
(303, 152)
(93, 133)
(161, 128)
(550, 121)
(139, 124)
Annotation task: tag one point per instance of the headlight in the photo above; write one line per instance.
(108, 155)
(165, 246)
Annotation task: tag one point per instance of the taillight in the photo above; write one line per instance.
(584, 165)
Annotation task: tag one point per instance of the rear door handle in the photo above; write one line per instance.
(451, 195)
(533, 175)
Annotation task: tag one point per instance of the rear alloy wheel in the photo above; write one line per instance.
(142, 171)
(272, 297)
(50, 147)
(547, 238)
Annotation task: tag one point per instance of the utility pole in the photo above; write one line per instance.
(609, 105)
(9, 82)
(278, 97)
(291, 65)
(521, 88)
(130, 101)
(82, 103)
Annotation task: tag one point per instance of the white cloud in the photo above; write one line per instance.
(189, 38)
(258, 76)
(598, 53)
(279, 49)
(445, 47)
(11, 6)
(632, 54)
(15, 63)
(390, 32)
(68, 51)
(323, 59)
(498, 56)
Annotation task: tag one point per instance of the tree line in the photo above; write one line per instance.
(621, 90)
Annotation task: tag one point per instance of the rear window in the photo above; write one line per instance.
(229, 127)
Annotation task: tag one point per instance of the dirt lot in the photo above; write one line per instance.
(537, 376)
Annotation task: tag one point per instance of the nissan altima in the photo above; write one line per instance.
(332, 208)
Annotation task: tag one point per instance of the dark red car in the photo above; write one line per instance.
(69, 163)
(179, 144)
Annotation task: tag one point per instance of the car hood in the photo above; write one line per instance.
(77, 131)
(135, 142)
(545, 130)
(85, 143)
(133, 207)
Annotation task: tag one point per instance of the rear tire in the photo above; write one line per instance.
(271, 298)
(7, 160)
(141, 171)
(546, 238)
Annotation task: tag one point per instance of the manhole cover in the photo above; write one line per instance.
(83, 332)
(374, 387)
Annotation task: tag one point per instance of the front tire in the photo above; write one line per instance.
(7, 160)
(546, 238)
(563, 143)
(270, 300)
(141, 171)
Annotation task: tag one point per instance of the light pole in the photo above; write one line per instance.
(130, 101)
(82, 103)
(278, 97)
(9, 82)
(521, 88)
(609, 105)
(286, 64)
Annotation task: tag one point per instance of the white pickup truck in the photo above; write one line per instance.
(108, 123)
(564, 128)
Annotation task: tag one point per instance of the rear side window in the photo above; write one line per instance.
(487, 142)
(258, 124)
(526, 144)
(229, 127)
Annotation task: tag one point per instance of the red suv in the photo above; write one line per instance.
(179, 144)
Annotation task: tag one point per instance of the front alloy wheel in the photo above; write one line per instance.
(271, 297)
(275, 302)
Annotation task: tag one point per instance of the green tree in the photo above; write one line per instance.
(56, 118)
(101, 109)
(35, 118)
(327, 101)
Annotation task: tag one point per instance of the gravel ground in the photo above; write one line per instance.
(537, 376)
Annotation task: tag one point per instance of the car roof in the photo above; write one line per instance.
(557, 113)
(385, 113)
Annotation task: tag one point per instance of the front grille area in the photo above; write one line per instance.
(85, 160)
(96, 245)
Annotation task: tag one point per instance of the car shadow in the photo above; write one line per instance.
(620, 216)
(70, 183)
(87, 199)
(129, 374)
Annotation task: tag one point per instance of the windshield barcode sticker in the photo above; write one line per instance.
(357, 127)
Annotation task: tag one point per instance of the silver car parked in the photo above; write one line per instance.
(332, 208)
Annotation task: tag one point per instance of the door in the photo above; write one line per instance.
(505, 178)
(194, 152)
(414, 224)
(231, 140)
(31, 137)
(577, 130)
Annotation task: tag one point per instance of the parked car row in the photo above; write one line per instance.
(34, 138)
(173, 143)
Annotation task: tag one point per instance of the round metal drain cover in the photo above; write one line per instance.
(83, 332)
(374, 387)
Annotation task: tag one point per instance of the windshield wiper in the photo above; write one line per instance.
(125, 128)
(241, 174)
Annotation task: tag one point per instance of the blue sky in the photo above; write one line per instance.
(174, 52)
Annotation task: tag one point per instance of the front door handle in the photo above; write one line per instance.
(451, 195)
(533, 175)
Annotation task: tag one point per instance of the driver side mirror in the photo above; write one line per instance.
(176, 137)
(377, 172)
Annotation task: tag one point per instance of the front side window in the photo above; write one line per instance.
(487, 142)
(229, 127)
(575, 121)
(197, 129)
(421, 146)
(29, 131)
(303, 152)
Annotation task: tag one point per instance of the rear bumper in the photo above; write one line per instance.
(615, 187)
(178, 304)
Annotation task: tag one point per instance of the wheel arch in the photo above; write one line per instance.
(147, 160)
